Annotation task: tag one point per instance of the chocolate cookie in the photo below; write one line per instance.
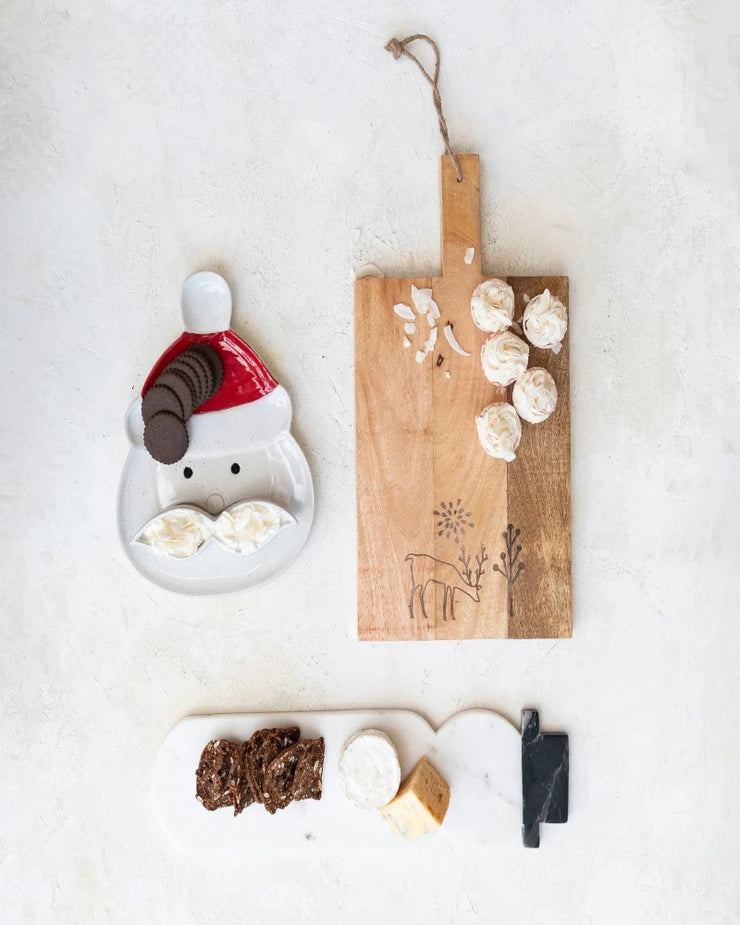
(204, 371)
(213, 775)
(214, 361)
(192, 368)
(166, 437)
(307, 779)
(161, 398)
(180, 383)
(261, 750)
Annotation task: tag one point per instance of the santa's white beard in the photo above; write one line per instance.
(184, 530)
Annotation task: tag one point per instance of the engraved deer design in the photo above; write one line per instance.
(426, 570)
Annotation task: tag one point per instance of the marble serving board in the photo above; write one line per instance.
(477, 751)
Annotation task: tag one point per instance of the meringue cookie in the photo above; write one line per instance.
(492, 306)
(504, 358)
(499, 430)
(545, 320)
(535, 395)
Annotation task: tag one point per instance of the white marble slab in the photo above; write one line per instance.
(478, 752)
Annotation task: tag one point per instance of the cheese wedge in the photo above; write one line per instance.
(421, 803)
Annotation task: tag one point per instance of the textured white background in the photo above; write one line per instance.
(280, 144)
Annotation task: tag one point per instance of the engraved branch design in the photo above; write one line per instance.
(467, 572)
(426, 570)
(511, 566)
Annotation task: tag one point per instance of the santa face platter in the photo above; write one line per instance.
(216, 495)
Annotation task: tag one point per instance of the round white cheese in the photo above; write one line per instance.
(369, 769)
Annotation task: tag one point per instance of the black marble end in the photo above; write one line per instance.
(544, 778)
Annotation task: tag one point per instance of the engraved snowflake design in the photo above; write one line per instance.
(453, 520)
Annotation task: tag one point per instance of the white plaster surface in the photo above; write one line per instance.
(282, 146)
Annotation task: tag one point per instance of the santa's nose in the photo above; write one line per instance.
(215, 503)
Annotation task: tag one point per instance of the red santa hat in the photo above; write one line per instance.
(249, 408)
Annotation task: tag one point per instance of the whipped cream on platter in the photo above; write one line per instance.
(243, 528)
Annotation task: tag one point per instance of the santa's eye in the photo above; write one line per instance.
(236, 468)
(187, 472)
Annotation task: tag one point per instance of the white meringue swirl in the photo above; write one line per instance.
(499, 430)
(504, 358)
(545, 321)
(535, 395)
(492, 306)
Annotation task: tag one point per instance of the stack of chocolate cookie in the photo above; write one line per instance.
(272, 767)
(194, 376)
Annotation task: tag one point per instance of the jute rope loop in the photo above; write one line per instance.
(398, 47)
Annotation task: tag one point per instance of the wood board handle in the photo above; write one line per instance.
(460, 215)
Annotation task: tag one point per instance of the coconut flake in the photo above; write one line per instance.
(410, 327)
(452, 341)
(404, 311)
(434, 309)
(525, 298)
(421, 299)
(430, 320)
(431, 341)
(469, 255)
(556, 348)
(406, 342)
(516, 327)
(448, 374)
(420, 356)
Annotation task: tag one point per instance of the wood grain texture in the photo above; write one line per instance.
(394, 447)
(462, 472)
(433, 509)
(539, 495)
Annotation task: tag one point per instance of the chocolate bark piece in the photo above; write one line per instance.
(161, 398)
(239, 789)
(180, 383)
(307, 779)
(214, 361)
(213, 775)
(295, 774)
(166, 437)
(279, 776)
(262, 748)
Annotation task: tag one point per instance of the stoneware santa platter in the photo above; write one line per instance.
(216, 495)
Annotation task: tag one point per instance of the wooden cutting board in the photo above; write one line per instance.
(453, 544)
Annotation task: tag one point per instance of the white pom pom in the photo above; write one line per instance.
(206, 303)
